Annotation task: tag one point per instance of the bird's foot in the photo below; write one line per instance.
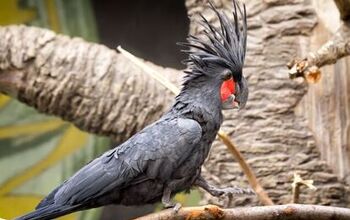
(176, 206)
(217, 192)
(166, 200)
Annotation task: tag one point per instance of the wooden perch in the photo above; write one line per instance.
(277, 212)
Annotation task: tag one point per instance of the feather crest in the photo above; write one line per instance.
(223, 47)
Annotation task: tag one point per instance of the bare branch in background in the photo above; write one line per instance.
(344, 8)
(297, 183)
(329, 53)
(336, 48)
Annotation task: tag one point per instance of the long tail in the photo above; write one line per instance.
(50, 212)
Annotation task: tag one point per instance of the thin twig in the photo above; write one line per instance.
(276, 212)
(297, 183)
(151, 72)
(253, 181)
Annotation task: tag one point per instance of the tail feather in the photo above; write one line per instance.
(50, 212)
(48, 200)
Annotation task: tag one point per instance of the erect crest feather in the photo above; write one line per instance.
(224, 47)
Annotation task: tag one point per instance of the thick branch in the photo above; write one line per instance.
(336, 48)
(87, 84)
(285, 212)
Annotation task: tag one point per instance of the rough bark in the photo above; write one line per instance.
(276, 141)
(88, 84)
(336, 48)
(285, 212)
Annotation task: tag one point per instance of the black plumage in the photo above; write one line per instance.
(166, 156)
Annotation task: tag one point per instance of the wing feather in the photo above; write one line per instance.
(155, 152)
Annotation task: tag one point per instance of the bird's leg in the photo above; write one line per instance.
(214, 191)
(166, 200)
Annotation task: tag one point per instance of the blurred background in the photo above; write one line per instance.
(38, 152)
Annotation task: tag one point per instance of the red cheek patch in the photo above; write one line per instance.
(227, 89)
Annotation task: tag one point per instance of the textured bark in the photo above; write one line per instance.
(276, 141)
(90, 85)
(285, 212)
(253, 181)
(338, 47)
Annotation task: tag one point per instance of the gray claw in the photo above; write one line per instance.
(237, 190)
(177, 207)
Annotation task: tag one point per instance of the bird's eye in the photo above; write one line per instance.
(226, 75)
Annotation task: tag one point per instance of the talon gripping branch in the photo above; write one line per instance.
(166, 157)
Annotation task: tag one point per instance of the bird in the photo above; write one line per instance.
(166, 156)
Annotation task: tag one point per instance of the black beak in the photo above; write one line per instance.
(242, 92)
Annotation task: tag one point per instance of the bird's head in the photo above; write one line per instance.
(221, 55)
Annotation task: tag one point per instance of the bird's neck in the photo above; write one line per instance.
(200, 97)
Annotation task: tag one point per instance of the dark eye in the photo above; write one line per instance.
(226, 75)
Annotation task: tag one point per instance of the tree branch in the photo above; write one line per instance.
(277, 212)
(329, 53)
(336, 48)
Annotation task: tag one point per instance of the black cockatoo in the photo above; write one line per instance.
(166, 157)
